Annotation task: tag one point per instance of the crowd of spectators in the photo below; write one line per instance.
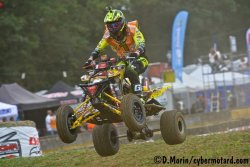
(218, 62)
(4, 119)
(222, 62)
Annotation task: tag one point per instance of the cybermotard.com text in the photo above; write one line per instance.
(199, 160)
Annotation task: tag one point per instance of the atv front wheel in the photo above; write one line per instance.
(105, 139)
(173, 128)
(133, 112)
(64, 121)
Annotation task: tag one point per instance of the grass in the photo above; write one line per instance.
(236, 144)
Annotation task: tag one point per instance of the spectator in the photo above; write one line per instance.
(50, 121)
(4, 119)
(181, 105)
(215, 60)
(230, 99)
(203, 102)
(176, 103)
(227, 64)
(12, 119)
(199, 105)
(243, 63)
(90, 127)
(169, 59)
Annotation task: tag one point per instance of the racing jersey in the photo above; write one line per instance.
(132, 42)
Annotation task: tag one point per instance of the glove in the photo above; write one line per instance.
(95, 54)
(134, 54)
(87, 63)
(141, 49)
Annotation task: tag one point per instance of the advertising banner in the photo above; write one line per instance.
(178, 37)
(248, 44)
(233, 44)
(19, 141)
(7, 111)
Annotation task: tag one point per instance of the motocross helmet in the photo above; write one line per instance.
(115, 22)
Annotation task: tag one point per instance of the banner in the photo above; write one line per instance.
(233, 44)
(21, 141)
(248, 44)
(178, 37)
(7, 111)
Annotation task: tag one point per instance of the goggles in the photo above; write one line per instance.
(115, 26)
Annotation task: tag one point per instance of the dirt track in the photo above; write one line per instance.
(236, 144)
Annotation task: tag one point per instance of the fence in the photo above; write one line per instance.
(223, 87)
(227, 85)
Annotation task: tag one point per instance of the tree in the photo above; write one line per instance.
(44, 38)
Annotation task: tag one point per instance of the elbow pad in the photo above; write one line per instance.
(95, 54)
(141, 49)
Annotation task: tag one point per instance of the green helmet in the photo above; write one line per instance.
(113, 16)
(115, 22)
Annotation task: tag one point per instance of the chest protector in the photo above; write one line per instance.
(128, 45)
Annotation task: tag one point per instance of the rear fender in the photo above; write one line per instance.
(158, 92)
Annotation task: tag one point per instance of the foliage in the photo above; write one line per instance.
(44, 38)
(234, 144)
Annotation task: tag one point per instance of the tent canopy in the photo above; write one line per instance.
(60, 86)
(61, 91)
(189, 82)
(221, 79)
(25, 100)
(7, 111)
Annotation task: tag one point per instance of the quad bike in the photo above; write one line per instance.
(108, 99)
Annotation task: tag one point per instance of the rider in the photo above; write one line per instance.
(123, 37)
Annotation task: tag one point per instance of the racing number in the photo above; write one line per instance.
(138, 88)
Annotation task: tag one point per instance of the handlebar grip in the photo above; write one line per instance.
(88, 66)
(133, 54)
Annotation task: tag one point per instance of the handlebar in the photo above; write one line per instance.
(111, 61)
(89, 66)
(130, 58)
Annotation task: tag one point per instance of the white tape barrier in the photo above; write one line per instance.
(242, 128)
(21, 141)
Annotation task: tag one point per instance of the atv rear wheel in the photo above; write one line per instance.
(133, 112)
(173, 128)
(64, 120)
(105, 139)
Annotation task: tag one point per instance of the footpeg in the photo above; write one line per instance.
(144, 134)
(147, 132)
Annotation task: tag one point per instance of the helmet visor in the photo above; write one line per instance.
(115, 27)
